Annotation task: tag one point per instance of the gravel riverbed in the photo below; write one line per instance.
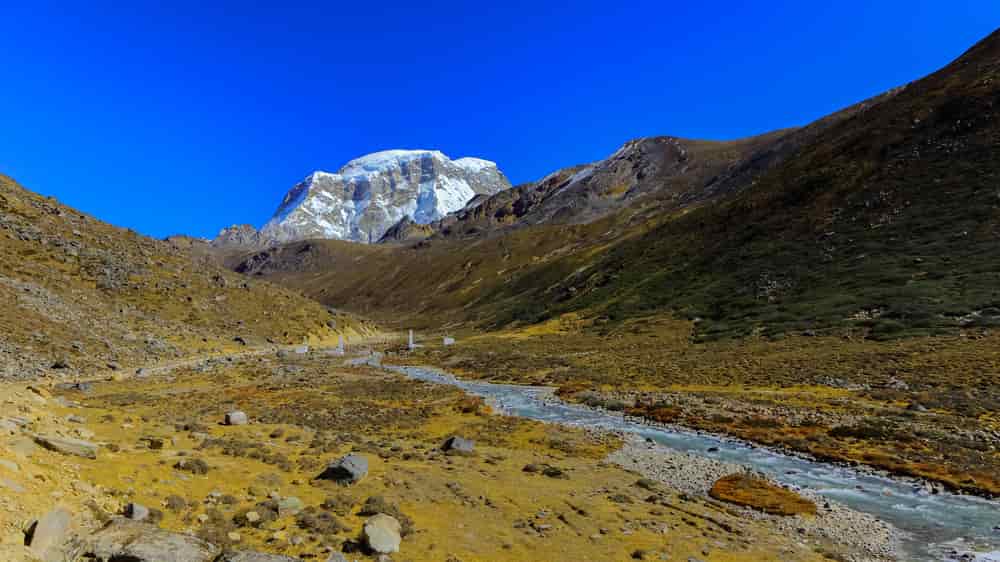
(867, 537)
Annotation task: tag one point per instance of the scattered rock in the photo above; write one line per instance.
(68, 446)
(381, 534)
(554, 472)
(73, 418)
(40, 392)
(152, 443)
(45, 537)
(74, 386)
(459, 445)
(175, 503)
(897, 384)
(236, 418)
(347, 470)
(194, 466)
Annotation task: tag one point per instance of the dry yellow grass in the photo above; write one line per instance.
(759, 494)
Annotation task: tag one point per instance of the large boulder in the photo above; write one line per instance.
(237, 418)
(46, 536)
(382, 533)
(67, 446)
(132, 541)
(347, 470)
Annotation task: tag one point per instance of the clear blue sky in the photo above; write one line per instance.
(187, 116)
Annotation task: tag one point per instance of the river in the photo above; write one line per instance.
(935, 526)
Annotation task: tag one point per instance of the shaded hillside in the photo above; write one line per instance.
(881, 218)
(80, 294)
(889, 220)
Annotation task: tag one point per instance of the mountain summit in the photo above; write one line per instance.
(367, 196)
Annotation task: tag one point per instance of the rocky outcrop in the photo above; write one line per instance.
(406, 229)
(68, 446)
(123, 539)
(238, 235)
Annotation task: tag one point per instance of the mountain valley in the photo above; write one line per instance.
(781, 347)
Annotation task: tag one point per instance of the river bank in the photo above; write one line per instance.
(925, 409)
(863, 535)
(931, 523)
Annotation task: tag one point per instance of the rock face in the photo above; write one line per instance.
(382, 534)
(123, 539)
(347, 470)
(371, 194)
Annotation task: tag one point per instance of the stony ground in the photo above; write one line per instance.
(850, 534)
(528, 492)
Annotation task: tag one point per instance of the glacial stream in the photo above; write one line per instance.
(935, 525)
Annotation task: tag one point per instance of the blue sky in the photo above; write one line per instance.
(180, 116)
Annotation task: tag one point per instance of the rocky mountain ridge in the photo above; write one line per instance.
(879, 219)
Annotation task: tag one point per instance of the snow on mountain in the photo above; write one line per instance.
(370, 194)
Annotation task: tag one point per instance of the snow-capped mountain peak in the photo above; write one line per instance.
(369, 194)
